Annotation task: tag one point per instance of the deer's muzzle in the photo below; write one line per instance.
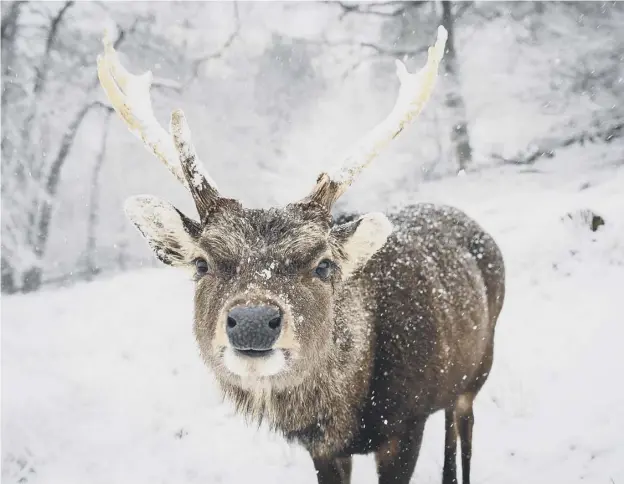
(253, 330)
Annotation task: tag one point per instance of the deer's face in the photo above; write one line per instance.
(265, 281)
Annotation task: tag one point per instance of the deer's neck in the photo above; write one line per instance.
(322, 410)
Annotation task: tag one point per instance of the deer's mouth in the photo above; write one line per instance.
(254, 363)
(251, 353)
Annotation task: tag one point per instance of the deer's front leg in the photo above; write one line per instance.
(396, 458)
(333, 471)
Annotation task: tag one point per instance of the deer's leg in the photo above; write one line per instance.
(333, 471)
(449, 474)
(396, 458)
(465, 421)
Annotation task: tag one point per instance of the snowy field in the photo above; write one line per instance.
(102, 382)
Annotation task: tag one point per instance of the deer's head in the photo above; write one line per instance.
(266, 280)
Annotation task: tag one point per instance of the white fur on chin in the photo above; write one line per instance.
(249, 367)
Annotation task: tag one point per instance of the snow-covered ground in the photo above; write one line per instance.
(102, 382)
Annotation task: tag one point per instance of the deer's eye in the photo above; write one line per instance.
(201, 267)
(324, 269)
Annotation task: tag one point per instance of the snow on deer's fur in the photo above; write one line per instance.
(343, 334)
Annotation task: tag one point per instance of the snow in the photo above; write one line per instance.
(102, 382)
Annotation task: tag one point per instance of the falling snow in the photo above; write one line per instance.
(102, 381)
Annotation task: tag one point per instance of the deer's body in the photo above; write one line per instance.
(344, 335)
(413, 334)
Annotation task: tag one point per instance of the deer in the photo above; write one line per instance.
(342, 332)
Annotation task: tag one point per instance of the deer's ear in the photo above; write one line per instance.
(360, 239)
(170, 234)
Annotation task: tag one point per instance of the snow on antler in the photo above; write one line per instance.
(130, 96)
(202, 187)
(414, 93)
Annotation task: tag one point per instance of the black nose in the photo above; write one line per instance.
(254, 328)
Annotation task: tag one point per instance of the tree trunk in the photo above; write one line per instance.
(536, 23)
(91, 263)
(41, 76)
(9, 33)
(32, 279)
(8, 277)
(460, 139)
(122, 256)
(33, 276)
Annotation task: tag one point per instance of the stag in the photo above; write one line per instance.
(343, 333)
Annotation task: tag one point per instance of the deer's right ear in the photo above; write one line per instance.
(170, 233)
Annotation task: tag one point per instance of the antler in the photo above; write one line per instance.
(130, 97)
(414, 93)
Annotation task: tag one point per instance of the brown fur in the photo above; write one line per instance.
(369, 357)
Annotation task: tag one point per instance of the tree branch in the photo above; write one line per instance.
(462, 9)
(197, 62)
(545, 148)
(379, 49)
(9, 19)
(41, 72)
(393, 52)
(354, 65)
(121, 36)
(372, 8)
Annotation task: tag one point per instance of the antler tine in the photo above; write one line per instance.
(202, 187)
(130, 96)
(414, 93)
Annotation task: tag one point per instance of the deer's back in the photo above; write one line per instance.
(437, 287)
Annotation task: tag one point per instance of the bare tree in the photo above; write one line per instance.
(590, 68)
(47, 178)
(45, 206)
(30, 178)
(46, 99)
(460, 139)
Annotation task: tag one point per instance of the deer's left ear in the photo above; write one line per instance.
(360, 239)
(169, 232)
